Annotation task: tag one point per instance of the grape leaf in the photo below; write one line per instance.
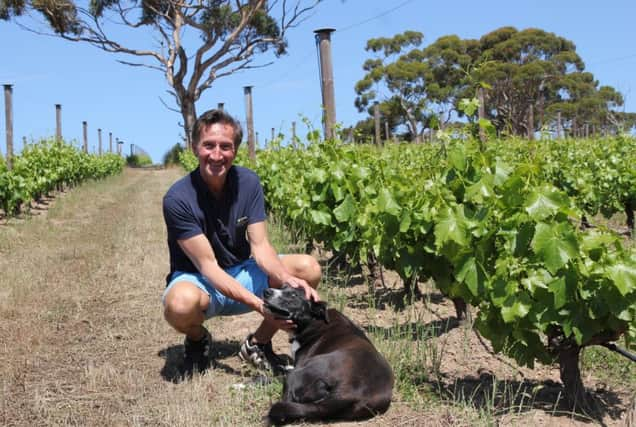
(346, 210)
(451, 226)
(623, 276)
(555, 245)
(386, 203)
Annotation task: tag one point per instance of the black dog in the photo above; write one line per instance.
(338, 374)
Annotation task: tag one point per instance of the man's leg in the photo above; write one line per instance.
(184, 309)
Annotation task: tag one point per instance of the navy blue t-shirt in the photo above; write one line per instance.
(189, 209)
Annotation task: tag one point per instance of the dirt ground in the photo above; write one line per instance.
(83, 341)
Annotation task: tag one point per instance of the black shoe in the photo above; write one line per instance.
(262, 357)
(197, 354)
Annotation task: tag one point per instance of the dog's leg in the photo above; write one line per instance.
(289, 412)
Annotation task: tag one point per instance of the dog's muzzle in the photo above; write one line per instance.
(278, 312)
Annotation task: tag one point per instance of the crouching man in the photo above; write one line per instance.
(221, 259)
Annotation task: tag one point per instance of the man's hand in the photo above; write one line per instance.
(310, 293)
(284, 324)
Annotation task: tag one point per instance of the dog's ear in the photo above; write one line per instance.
(319, 311)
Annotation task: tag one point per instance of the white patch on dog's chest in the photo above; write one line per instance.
(295, 345)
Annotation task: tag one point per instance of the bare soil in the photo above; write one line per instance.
(83, 341)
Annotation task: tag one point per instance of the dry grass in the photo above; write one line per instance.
(83, 341)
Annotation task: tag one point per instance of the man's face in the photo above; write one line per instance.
(215, 151)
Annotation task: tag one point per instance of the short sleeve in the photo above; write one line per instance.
(181, 222)
(257, 205)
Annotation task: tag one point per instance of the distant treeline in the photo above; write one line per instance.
(526, 81)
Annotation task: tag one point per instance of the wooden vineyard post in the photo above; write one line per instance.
(8, 113)
(58, 122)
(85, 133)
(99, 141)
(294, 139)
(251, 140)
(323, 42)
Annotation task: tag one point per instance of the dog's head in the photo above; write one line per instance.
(291, 303)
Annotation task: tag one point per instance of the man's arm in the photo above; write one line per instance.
(267, 259)
(200, 252)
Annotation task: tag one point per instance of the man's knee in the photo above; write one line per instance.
(309, 269)
(184, 303)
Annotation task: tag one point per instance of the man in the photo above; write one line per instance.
(221, 259)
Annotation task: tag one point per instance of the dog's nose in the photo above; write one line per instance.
(267, 293)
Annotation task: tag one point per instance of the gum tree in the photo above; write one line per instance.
(395, 78)
(195, 42)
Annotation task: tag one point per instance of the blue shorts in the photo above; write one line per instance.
(247, 273)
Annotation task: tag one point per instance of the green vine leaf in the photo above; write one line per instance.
(451, 226)
(624, 277)
(543, 203)
(556, 245)
(516, 307)
(346, 210)
(471, 274)
(386, 203)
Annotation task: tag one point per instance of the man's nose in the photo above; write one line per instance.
(216, 151)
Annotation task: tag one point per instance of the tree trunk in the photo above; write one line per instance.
(481, 113)
(629, 212)
(413, 129)
(541, 111)
(375, 277)
(585, 223)
(568, 351)
(530, 128)
(188, 112)
(411, 290)
(571, 378)
(461, 309)
(411, 123)
(376, 122)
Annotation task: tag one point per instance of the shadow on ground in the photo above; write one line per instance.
(415, 331)
(174, 370)
(488, 393)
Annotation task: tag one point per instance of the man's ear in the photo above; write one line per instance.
(319, 311)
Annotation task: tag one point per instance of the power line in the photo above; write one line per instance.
(303, 60)
(380, 15)
(280, 77)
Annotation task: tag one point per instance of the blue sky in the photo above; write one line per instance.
(92, 86)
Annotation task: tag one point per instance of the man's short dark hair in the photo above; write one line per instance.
(211, 117)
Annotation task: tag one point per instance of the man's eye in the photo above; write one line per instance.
(222, 147)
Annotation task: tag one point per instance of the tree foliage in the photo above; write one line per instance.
(403, 76)
(532, 79)
(526, 70)
(171, 158)
(230, 34)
